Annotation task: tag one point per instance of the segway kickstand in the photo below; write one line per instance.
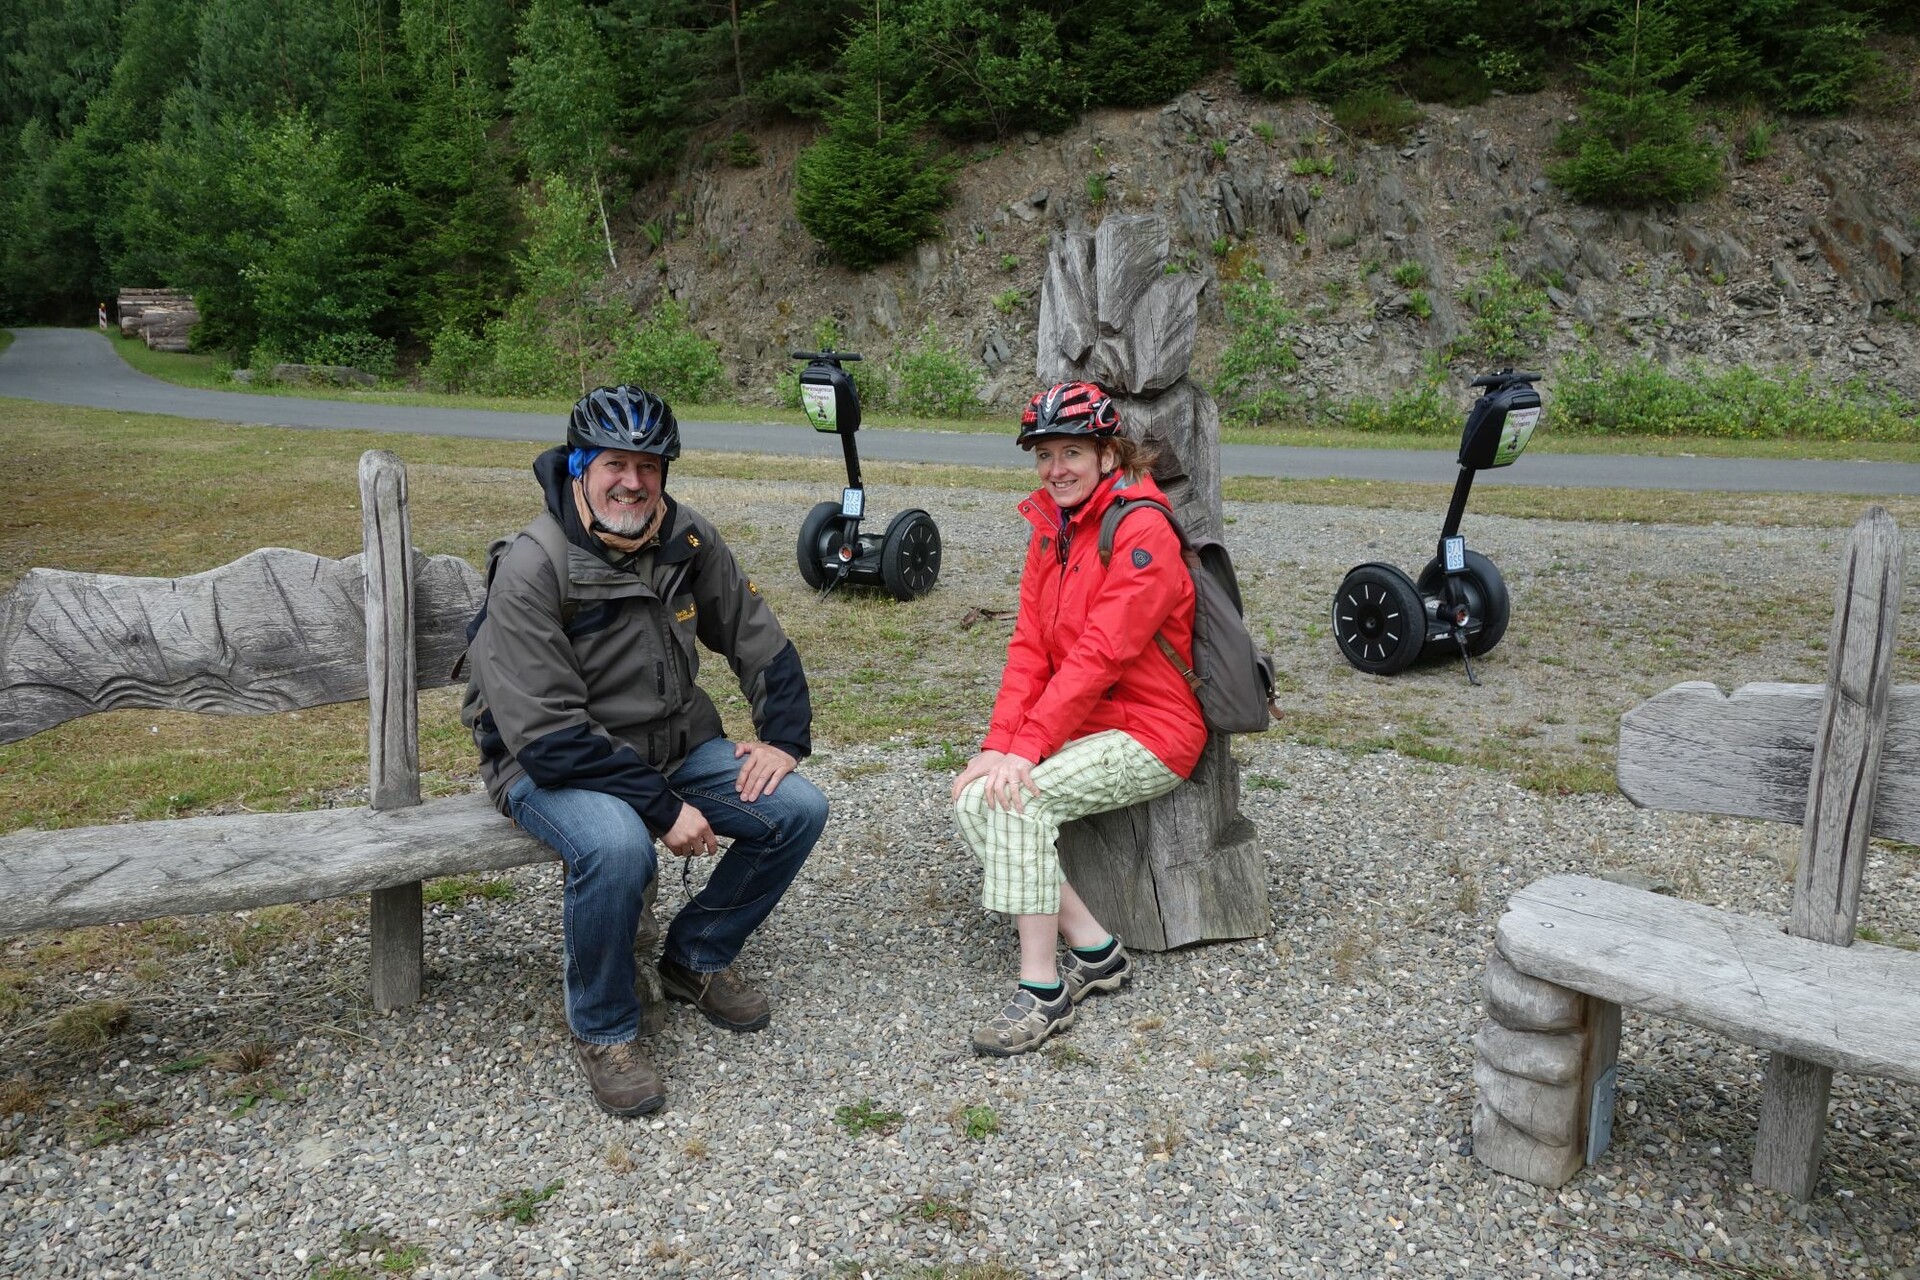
(1460, 638)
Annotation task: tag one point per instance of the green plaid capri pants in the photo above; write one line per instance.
(1102, 771)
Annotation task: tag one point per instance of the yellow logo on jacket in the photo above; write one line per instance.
(692, 541)
(686, 613)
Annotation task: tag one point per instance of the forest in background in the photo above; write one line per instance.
(449, 183)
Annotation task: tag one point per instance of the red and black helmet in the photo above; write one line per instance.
(1069, 409)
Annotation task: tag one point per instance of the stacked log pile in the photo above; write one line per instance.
(162, 317)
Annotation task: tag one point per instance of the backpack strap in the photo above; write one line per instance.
(1115, 513)
(544, 530)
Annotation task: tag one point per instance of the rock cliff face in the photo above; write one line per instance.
(1807, 259)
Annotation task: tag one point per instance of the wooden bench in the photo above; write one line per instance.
(276, 630)
(1572, 952)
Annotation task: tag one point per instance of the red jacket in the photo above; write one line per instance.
(1082, 658)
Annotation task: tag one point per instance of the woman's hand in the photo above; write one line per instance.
(978, 767)
(1009, 782)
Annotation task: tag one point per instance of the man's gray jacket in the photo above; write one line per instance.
(600, 693)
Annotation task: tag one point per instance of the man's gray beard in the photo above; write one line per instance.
(627, 526)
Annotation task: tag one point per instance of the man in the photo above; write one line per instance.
(594, 737)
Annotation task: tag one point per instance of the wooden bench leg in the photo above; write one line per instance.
(396, 944)
(1544, 1067)
(1793, 1121)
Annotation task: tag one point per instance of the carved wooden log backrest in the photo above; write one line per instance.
(275, 630)
(1842, 759)
(1111, 313)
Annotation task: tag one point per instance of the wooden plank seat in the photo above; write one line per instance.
(236, 862)
(1855, 1008)
(276, 630)
(1572, 952)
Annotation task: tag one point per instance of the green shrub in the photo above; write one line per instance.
(1302, 166)
(742, 151)
(936, 381)
(1322, 49)
(1409, 274)
(1510, 317)
(1640, 398)
(666, 355)
(1259, 353)
(357, 349)
(1451, 78)
(1096, 189)
(1376, 114)
(524, 360)
(455, 360)
(1638, 141)
(1418, 410)
(870, 193)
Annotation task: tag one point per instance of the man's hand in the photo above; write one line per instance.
(762, 769)
(690, 834)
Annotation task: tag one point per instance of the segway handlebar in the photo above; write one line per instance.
(833, 357)
(1504, 378)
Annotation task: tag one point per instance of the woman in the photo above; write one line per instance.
(1091, 714)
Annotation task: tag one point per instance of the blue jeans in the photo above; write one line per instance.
(610, 862)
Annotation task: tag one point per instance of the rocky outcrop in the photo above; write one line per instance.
(1806, 260)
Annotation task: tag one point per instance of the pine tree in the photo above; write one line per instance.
(1639, 140)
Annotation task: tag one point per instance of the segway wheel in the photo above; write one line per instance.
(910, 555)
(820, 538)
(1379, 621)
(1487, 600)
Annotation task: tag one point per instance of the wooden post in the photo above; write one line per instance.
(1838, 822)
(1187, 867)
(393, 744)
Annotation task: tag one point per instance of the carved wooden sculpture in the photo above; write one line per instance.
(1187, 867)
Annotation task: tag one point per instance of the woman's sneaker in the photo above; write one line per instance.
(1083, 977)
(1024, 1024)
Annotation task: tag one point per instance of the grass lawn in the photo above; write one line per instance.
(199, 495)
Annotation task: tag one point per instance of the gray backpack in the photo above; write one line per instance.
(1230, 676)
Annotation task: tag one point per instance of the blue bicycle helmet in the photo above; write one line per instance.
(624, 417)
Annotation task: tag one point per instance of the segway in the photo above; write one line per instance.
(1382, 619)
(905, 560)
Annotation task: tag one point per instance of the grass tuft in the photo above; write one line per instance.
(523, 1205)
(90, 1025)
(867, 1116)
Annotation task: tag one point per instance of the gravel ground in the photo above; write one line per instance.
(1291, 1105)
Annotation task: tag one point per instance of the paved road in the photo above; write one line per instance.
(79, 367)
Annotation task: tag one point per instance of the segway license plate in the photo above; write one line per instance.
(853, 503)
(1514, 434)
(1454, 550)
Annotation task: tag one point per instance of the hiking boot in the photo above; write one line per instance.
(726, 1000)
(1024, 1024)
(624, 1083)
(1083, 978)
